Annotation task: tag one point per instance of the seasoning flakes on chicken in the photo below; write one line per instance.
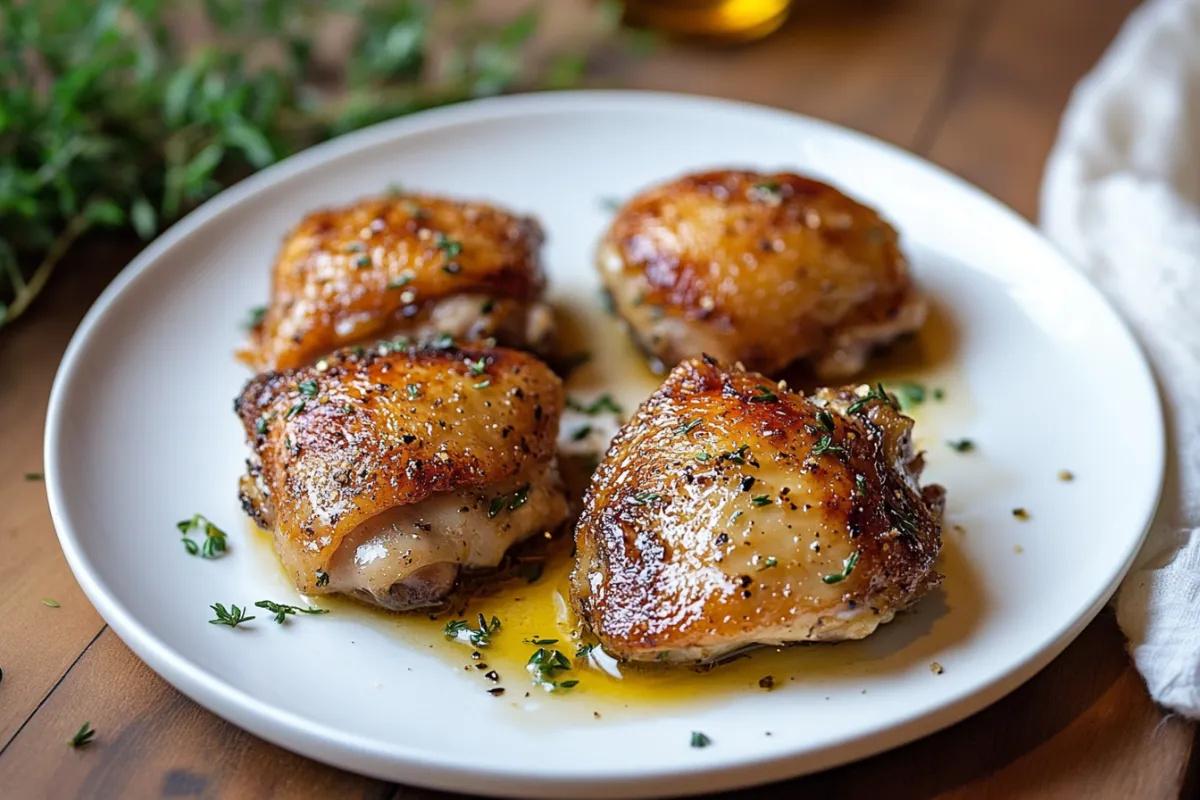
(384, 474)
(762, 269)
(731, 512)
(411, 265)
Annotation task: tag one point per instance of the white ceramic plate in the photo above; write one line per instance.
(1041, 374)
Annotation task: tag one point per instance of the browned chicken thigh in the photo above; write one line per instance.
(764, 269)
(730, 512)
(382, 475)
(412, 265)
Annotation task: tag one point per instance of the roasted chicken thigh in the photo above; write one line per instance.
(730, 512)
(759, 268)
(412, 265)
(383, 474)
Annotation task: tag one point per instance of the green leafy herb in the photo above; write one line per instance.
(585, 650)
(644, 498)
(540, 641)
(413, 390)
(700, 740)
(510, 502)
(961, 445)
(765, 395)
(860, 483)
(309, 388)
(231, 617)
(738, 456)
(476, 367)
(602, 403)
(401, 282)
(544, 665)
(825, 445)
(825, 421)
(684, 428)
(760, 500)
(260, 427)
(847, 568)
(116, 117)
(461, 630)
(483, 384)
(46, 601)
(34, 476)
(83, 737)
(253, 317)
(878, 393)
(450, 247)
(283, 611)
(702, 456)
(214, 544)
(581, 433)
(294, 410)
(768, 563)
(911, 394)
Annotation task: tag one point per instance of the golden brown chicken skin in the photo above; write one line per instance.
(383, 474)
(730, 512)
(761, 268)
(412, 265)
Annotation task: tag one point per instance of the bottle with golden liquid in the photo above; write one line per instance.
(721, 20)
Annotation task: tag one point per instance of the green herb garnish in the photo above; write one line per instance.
(685, 428)
(760, 500)
(700, 740)
(602, 403)
(34, 476)
(769, 562)
(309, 388)
(961, 445)
(544, 665)
(83, 737)
(847, 568)
(254, 317)
(581, 433)
(413, 390)
(878, 393)
(765, 395)
(401, 282)
(450, 247)
(213, 546)
(644, 498)
(46, 601)
(232, 617)
(283, 611)
(459, 629)
(294, 410)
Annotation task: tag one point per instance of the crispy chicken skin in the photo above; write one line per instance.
(730, 511)
(415, 265)
(759, 268)
(382, 474)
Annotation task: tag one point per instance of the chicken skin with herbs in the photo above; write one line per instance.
(758, 268)
(411, 265)
(731, 512)
(383, 474)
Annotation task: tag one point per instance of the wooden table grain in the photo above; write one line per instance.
(977, 86)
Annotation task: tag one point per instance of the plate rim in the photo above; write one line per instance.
(429, 769)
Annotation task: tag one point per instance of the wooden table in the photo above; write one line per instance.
(975, 85)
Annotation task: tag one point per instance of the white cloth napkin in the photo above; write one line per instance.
(1121, 195)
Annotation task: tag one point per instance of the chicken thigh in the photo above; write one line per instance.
(383, 474)
(764, 269)
(411, 265)
(730, 512)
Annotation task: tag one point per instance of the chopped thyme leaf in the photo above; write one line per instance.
(442, 341)
(477, 637)
(585, 650)
(702, 456)
(260, 427)
(765, 395)
(700, 740)
(355, 247)
(512, 502)
(602, 403)
(497, 505)
(476, 367)
(644, 498)
(913, 394)
(770, 561)
(825, 421)
(34, 476)
(83, 737)
(282, 611)
(309, 388)
(362, 261)
(736, 514)
(581, 433)
(414, 391)
(961, 445)
(232, 617)
(738, 456)
(450, 247)
(401, 282)
(860, 483)
(254, 318)
(544, 665)
(847, 568)
(686, 427)
(46, 601)
(825, 445)
(878, 393)
(939, 394)
(214, 544)
(761, 500)
(294, 410)
(540, 641)
(520, 497)
(483, 384)
(322, 578)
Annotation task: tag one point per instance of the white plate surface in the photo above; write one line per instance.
(140, 434)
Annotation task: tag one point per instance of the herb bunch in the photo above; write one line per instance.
(124, 114)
